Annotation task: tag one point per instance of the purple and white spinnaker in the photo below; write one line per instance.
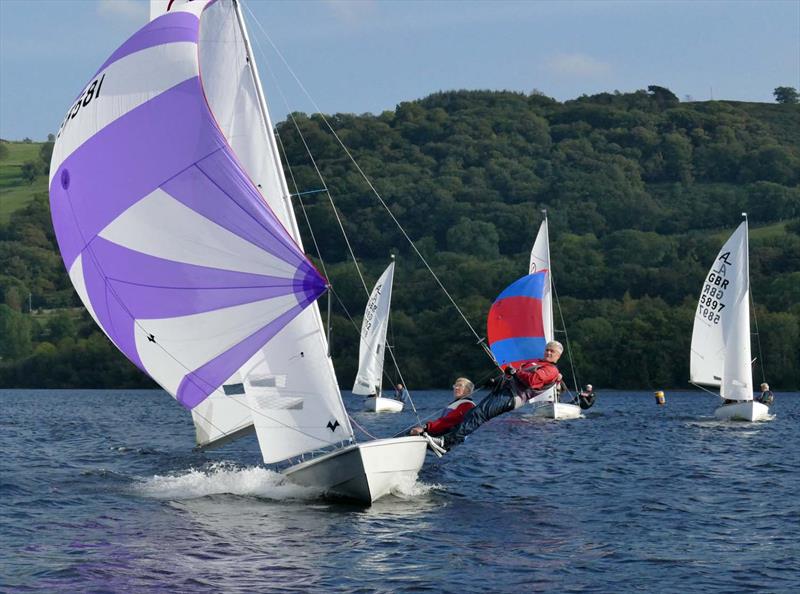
(174, 222)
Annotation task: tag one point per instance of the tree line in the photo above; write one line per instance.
(641, 191)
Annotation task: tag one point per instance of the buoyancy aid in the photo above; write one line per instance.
(526, 393)
(455, 404)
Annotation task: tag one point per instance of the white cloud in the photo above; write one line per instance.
(577, 65)
(126, 10)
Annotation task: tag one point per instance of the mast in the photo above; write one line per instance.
(294, 230)
(549, 278)
(267, 123)
(289, 220)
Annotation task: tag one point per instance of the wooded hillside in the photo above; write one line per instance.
(641, 191)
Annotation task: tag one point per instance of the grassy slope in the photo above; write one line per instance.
(14, 191)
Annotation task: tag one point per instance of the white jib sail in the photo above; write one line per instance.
(720, 353)
(373, 336)
(540, 260)
(288, 389)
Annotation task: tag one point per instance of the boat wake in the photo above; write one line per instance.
(409, 488)
(224, 479)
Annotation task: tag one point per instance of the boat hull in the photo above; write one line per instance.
(749, 410)
(363, 472)
(381, 404)
(558, 410)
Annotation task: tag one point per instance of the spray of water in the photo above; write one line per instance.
(223, 478)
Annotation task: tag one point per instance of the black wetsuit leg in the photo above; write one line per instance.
(493, 405)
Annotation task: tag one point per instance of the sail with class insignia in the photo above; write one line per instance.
(720, 351)
(372, 346)
(174, 223)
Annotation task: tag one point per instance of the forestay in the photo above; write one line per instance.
(720, 352)
(159, 179)
(373, 336)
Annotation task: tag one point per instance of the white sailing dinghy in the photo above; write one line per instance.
(547, 405)
(720, 352)
(372, 347)
(176, 227)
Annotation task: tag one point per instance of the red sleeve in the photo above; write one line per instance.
(443, 424)
(545, 375)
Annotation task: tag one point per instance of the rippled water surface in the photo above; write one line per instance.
(100, 492)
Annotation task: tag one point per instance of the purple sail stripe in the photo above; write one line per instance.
(127, 160)
(168, 28)
(218, 190)
(160, 302)
(309, 285)
(154, 288)
(198, 385)
(111, 314)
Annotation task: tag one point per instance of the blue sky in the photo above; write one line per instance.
(369, 55)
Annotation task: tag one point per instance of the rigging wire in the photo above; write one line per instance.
(367, 180)
(758, 341)
(566, 336)
(752, 301)
(326, 190)
(706, 389)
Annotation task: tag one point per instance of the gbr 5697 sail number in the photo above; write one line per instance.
(91, 93)
(711, 304)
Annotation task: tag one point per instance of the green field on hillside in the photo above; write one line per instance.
(16, 192)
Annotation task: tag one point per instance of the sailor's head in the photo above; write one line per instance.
(552, 351)
(659, 394)
(587, 388)
(400, 387)
(764, 387)
(462, 388)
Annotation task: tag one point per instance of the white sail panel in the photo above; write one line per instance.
(540, 260)
(721, 312)
(299, 353)
(195, 339)
(737, 374)
(123, 83)
(161, 226)
(373, 336)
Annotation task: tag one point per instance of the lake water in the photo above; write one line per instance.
(100, 492)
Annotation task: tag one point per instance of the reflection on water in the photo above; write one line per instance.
(102, 492)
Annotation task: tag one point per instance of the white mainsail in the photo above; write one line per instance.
(720, 353)
(373, 336)
(540, 260)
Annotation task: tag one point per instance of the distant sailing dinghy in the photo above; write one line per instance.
(549, 406)
(176, 227)
(515, 332)
(720, 354)
(372, 347)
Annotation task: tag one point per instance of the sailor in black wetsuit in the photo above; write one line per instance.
(766, 397)
(585, 399)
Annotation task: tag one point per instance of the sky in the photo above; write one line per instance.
(370, 55)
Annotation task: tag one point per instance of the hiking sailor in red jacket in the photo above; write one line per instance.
(516, 388)
(454, 413)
